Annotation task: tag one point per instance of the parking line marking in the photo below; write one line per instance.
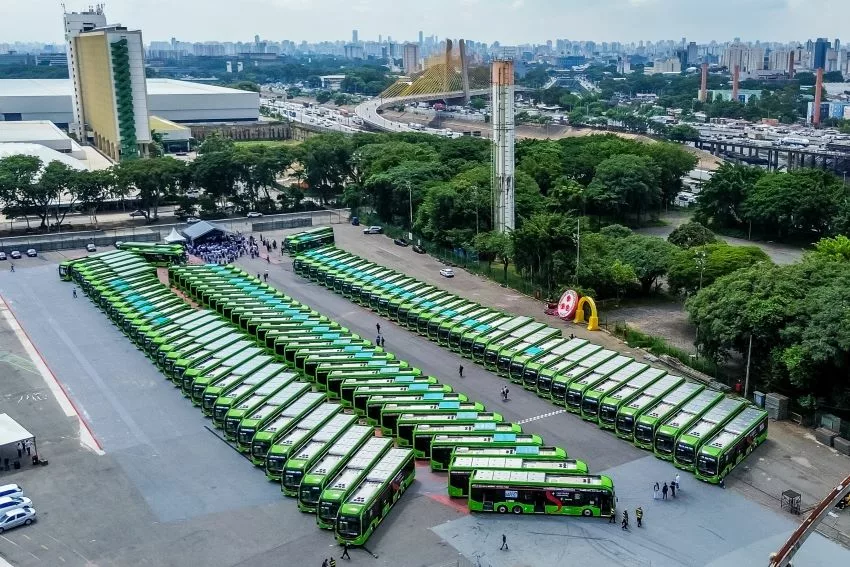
(541, 416)
(87, 438)
(10, 541)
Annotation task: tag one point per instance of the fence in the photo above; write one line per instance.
(155, 232)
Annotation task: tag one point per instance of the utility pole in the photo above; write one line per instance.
(410, 202)
(578, 245)
(747, 375)
(700, 258)
(475, 196)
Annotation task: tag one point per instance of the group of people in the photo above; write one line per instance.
(331, 562)
(380, 340)
(24, 446)
(665, 489)
(221, 248)
(624, 525)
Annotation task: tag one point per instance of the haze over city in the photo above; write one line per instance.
(506, 21)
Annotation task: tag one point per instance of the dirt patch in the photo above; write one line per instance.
(665, 319)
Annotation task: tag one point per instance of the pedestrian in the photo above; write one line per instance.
(572, 336)
(639, 516)
(460, 370)
(664, 490)
(266, 276)
(504, 543)
(383, 342)
(655, 490)
(506, 393)
(722, 483)
(677, 482)
(673, 489)
(258, 276)
(612, 519)
(502, 392)
(268, 260)
(345, 554)
(28, 446)
(625, 524)
(325, 563)
(13, 267)
(20, 449)
(74, 293)
(378, 340)
(378, 326)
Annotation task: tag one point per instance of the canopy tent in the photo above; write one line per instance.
(11, 431)
(201, 229)
(174, 237)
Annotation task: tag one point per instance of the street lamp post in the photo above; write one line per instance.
(578, 245)
(700, 258)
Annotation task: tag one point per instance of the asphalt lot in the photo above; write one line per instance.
(167, 492)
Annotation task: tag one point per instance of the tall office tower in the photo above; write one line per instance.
(502, 78)
(110, 66)
(692, 53)
(353, 36)
(76, 23)
(411, 58)
(421, 37)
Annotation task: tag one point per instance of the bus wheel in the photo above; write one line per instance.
(517, 510)
(502, 509)
(587, 512)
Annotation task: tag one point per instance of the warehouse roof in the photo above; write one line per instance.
(45, 154)
(62, 87)
(30, 131)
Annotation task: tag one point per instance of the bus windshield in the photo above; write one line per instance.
(348, 526)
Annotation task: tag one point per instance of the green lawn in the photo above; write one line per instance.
(268, 143)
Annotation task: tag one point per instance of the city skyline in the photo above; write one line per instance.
(506, 21)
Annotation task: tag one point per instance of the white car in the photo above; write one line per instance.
(373, 230)
(91, 247)
(447, 273)
(14, 518)
(13, 503)
(254, 214)
(11, 490)
(192, 220)
(31, 252)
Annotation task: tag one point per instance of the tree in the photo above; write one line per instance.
(833, 77)
(541, 160)
(153, 178)
(57, 181)
(497, 245)
(216, 172)
(722, 197)
(544, 245)
(683, 133)
(648, 256)
(323, 96)
(691, 234)
(327, 164)
(623, 275)
(215, 142)
(701, 266)
(93, 187)
(478, 103)
(625, 184)
(837, 248)
(18, 175)
(673, 163)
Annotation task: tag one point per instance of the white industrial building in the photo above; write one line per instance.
(41, 132)
(178, 101)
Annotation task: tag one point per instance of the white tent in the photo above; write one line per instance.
(174, 237)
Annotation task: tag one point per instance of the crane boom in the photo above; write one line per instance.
(782, 558)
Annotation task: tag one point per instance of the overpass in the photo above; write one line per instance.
(770, 156)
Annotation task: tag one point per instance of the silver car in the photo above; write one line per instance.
(14, 518)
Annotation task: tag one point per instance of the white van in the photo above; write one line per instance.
(8, 490)
(13, 502)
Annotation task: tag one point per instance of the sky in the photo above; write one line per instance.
(507, 21)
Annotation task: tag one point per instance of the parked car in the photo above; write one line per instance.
(13, 503)
(400, 242)
(193, 220)
(182, 154)
(2, 255)
(11, 490)
(254, 214)
(15, 254)
(118, 243)
(31, 252)
(14, 518)
(418, 249)
(91, 247)
(137, 213)
(373, 230)
(447, 273)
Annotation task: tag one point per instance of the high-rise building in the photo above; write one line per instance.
(746, 58)
(74, 24)
(821, 46)
(353, 36)
(411, 58)
(421, 37)
(692, 53)
(110, 66)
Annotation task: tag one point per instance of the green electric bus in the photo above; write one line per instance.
(408, 312)
(592, 399)
(396, 302)
(443, 445)
(299, 462)
(368, 504)
(311, 239)
(423, 434)
(355, 389)
(228, 357)
(728, 447)
(391, 412)
(341, 452)
(242, 421)
(647, 423)
(553, 378)
(470, 334)
(689, 442)
(161, 255)
(679, 422)
(374, 399)
(310, 406)
(213, 384)
(408, 422)
(529, 492)
(507, 339)
(630, 405)
(581, 381)
(316, 426)
(264, 382)
(456, 332)
(342, 373)
(532, 359)
(529, 451)
(461, 469)
(452, 316)
(532, 345)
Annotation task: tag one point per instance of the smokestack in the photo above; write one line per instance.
(735, 74)
(703, 86)
(791, 65)
(818, 87)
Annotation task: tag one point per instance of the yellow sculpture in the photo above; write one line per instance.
(593, 322)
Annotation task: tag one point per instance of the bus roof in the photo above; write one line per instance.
(515, 463)
(296, 408)
(526, 477)
(673, 399)
(581, 359)
(742, 423)
(693, 408)
(382, 473)
(365, 454)
(601, 371)
(717, 414)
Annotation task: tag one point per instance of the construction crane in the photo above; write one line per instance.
(782, 558)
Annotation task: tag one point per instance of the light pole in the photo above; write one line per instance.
(700, 259)
(578, 245)
(410, 202)
(475, 196)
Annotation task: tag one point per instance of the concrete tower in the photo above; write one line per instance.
(464, 69)
(502, 78)
(735, 81)
(74, 24)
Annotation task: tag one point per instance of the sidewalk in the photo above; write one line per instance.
(790, 459)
